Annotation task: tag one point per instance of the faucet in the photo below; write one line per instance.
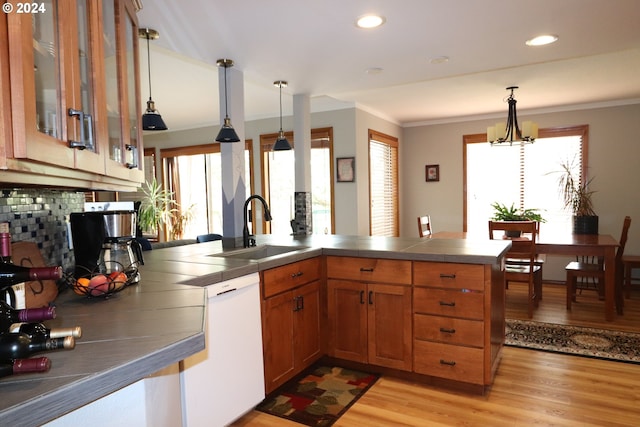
(249, 239)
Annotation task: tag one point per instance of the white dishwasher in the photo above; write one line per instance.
(226, 379)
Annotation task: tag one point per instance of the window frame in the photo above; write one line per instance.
(394, 143)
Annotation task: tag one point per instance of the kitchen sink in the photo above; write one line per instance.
(259, 252)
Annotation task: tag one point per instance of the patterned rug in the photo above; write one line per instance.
(576, 340)
(320, 396)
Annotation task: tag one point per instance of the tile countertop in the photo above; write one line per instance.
(160, 321)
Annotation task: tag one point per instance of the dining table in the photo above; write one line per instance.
(598, 245)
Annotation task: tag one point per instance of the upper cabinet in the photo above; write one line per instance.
(75, 103)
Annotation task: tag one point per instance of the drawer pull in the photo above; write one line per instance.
(447, 276)
(366, 270)
(361, 297)
(448, 330)
(448, 304)
(370, 297)
(447, 362)
(298, 274)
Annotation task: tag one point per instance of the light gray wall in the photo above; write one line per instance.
(614, 156)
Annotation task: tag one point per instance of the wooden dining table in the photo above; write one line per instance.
(599, 245)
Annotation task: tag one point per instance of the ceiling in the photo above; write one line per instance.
(316, 47)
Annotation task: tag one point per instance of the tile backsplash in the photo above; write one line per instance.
(41, 215)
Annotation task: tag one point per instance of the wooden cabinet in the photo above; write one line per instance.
(290, 320)
(74, 101)
(455, 335)
(370, 322)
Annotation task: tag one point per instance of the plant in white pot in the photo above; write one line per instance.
(578, 198)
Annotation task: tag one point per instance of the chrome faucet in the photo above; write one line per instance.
(249, 239)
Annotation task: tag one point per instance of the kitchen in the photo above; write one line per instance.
(611, 130)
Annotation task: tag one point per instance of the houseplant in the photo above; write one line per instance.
(155, 207)
(503, 213)
(577, 197)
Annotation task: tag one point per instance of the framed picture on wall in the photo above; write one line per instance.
(346, 169)
(432, 173)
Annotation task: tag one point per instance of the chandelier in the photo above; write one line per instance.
(509, 132)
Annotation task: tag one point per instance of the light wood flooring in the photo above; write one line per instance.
(531, 388)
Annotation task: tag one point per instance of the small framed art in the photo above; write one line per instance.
(346, 169)
(432, 173)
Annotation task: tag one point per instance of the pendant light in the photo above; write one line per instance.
(502, 133)
(281, 143)
(227, 133)
(151, 119)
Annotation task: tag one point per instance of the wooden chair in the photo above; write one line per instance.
(539, 261)
(595, 270)
(522, 248)
(424, 226)
(629, 262)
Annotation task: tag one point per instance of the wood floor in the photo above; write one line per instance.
(530, 388)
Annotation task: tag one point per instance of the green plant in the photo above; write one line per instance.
(576, 195)
(155, 207)
(179, 221)
(503, 213)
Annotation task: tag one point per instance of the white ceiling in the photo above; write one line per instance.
(316, 47)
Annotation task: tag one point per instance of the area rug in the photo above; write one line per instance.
(320, 396)
(575, 340)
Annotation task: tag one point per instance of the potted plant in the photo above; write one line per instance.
(504, 213)
(155, 207)
(577, 197)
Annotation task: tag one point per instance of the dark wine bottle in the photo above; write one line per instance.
(35, 330)
(23, 366)
(10, 315)
(10, 274)
(5, 243)
(21, 346)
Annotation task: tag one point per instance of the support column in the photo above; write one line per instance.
(232, 156)
(302, 222)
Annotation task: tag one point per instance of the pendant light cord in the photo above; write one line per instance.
(280, 106)
(149, 64)
(226, 107)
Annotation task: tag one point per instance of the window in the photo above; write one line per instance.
(523, 175)
(383, 185)
(278, 168)
(194, 175)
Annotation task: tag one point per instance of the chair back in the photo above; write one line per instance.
(523, 246)
(208, 238)
(424, 226)
(623, 240)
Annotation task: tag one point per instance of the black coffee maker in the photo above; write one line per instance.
(104, 242)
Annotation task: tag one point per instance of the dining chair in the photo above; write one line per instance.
(208, 238)
(629, 262)
(577, 269)
(424, 226)
(523, 248)
(539, 261)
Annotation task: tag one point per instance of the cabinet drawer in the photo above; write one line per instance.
(369, 269)
(280, 279)
(448, 330)
(452, 303)
(448, 275)
(448, 361)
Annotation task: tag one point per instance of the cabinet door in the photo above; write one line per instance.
(347, 314)
(307, 324)
(389, 326)
(278, 339)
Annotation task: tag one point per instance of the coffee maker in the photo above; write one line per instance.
(104, 242)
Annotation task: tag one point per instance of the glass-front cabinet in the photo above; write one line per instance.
(74, 89)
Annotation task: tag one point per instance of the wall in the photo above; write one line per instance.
(40, 216)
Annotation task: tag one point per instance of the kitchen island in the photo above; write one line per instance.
(160, 321)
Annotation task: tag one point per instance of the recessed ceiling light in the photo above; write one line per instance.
(373, 70)
(370, 21)
(439, 59)
(542, 40)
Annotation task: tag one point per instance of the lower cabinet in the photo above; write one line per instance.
(291, 323)
(370, 323)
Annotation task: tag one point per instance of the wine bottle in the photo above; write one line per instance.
(10, 274)
(23, 366)
(10, 315)
(5, 243)
(21, 346)
(35, 330)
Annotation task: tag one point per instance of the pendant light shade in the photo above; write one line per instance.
(151, 119)
(281, 142)
(227, 133)
(503, 133)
